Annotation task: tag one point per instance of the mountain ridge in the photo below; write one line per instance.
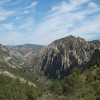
(56, 60)
(71, 59)
(62, 55)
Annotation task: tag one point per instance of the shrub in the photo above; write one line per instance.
(73, 83)
(56, 87)
(89, 77)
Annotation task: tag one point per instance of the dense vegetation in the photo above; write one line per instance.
(79, 85)
(13, 89)
(82, 84)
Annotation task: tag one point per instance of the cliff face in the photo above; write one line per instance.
(61, 56)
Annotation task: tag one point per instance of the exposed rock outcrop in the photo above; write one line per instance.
(61, 56)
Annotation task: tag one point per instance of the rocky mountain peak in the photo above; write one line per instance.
(64, 54)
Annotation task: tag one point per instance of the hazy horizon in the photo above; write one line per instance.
(43, 44)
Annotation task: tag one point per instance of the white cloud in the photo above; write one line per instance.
(16, 34)
(13, 32)
(4, 14)
(93, 5)
(71, 6)
(32, 5)
(27, 25)
(62, 20)
(69, 18)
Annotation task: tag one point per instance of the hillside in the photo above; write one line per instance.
(66, 69)
(7, 58)
(29, 53)
(24, 49)
(14, 89)
(77, 86)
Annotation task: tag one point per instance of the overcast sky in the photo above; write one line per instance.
(43, 21)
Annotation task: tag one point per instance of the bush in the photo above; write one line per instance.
(76, 71)
(97, 90)
(98, 74)
(11, 89)
(56, 87)
(98, 62)
(73, 83)
(89, 77)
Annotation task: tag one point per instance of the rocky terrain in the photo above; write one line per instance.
(6, 57)
(29, 54)
(71, 59)
(24, 50)
(60, 57)
(54, 61)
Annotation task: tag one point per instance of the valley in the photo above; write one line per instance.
(66, 69)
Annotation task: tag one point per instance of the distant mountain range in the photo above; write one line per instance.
(56, 60)
(24, 49)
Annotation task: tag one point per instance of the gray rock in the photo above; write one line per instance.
(61, 56)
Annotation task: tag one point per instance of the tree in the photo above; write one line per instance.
(98, 74)
(97, 90)
(89, 77)
(56, 87)
(73, 82)
(76, 71)
(17, 81)
(98, 62)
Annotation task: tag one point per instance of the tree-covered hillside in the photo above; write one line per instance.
(77, 86)
(13, 89)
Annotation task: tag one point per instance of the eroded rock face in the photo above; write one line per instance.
(61, 56)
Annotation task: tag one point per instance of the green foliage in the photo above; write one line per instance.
(90, 97)
(97, 90)
(79, 86)
(73, 83)
(11, 89)
(56, 87)
(89, 77)
(98, 74)
(76, 71)
(98, 62)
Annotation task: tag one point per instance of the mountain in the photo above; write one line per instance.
(96, 42)
(8, 59)
(25, 70)
(16, 82)
(24, 46)
(24, 49)
(95, 57)
(60, 57)
(27, 52)
(12, 66)
(4, 52)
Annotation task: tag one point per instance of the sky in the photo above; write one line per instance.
(43, 21)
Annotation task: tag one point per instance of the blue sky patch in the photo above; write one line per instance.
(43, 21)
